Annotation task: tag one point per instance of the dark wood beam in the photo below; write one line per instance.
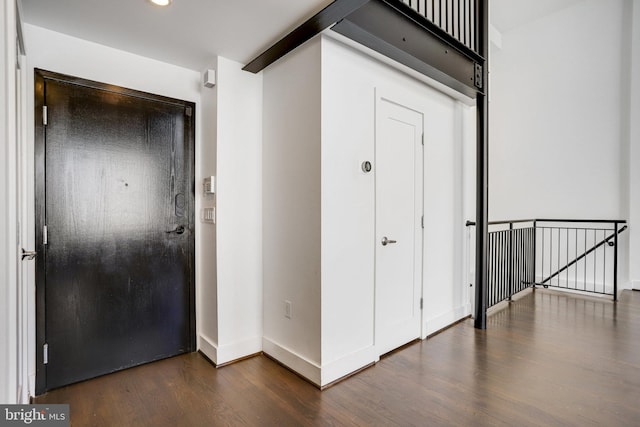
(395, 30)
(313, 26)
(404, 36)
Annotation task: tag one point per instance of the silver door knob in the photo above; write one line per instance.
(386, 241)
(29, 255)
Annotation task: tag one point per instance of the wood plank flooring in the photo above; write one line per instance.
(549, 359)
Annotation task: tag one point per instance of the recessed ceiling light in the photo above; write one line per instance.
(161, 2)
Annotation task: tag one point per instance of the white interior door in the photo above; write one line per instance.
(398, 172)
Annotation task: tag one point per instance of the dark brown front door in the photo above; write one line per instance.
(115, 228)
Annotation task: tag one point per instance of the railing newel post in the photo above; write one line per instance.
(511, 261)
(615, 262)
(482, 172)
(535, 254)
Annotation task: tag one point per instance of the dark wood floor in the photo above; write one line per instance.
(547, 360)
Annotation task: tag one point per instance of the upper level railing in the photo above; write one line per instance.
(458, 18)
(579, 255)
(568, 254)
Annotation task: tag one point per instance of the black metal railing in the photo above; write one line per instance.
(510, 259)
(579, 255)
(458, 18)
(576, 255)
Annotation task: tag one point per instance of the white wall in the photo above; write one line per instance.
(349, 81)
(633, 7)
(291, 209)
(348, 209)
(228, 146)
(264, 216)
(319, 124)
(207, 269)
(567, 145)
(555, 116)
(237, 138)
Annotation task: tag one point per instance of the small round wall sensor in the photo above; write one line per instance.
(366, 166)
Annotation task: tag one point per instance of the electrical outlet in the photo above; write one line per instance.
(287, 309)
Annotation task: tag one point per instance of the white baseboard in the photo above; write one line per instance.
(306, 368)
(434, 324)
(237, 350)
(208, 347)
(348, 364)
(32, 387)
(222, 354)
(23, 395)
(326, 374)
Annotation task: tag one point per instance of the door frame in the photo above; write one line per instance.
(40, 76)
(26, 269)
(405, 100)
(13, 305)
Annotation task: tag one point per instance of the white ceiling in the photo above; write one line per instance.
(190, 32)
(187, 33)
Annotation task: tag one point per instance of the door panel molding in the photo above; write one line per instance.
(406, 116)
(41, 77)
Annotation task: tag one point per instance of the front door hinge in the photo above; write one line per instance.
(421, 303)
(423, 139)
(44, 115)
(422, 221)
(45, 354)
(45, 235)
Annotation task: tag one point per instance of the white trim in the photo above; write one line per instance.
(221, 354)
(446, 319)
(27, 278)
(348, 364)
(231, 352)
(10, 378)
(19, 28)
(405, 100)
(208, 347)
(306, 368)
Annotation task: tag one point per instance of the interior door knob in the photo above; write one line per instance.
(386, 241)
(29, 255)
(178, 230)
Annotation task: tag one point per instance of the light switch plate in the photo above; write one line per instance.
(209, 215)
(209, 185)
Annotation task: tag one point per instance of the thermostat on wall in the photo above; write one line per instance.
(210, 185)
